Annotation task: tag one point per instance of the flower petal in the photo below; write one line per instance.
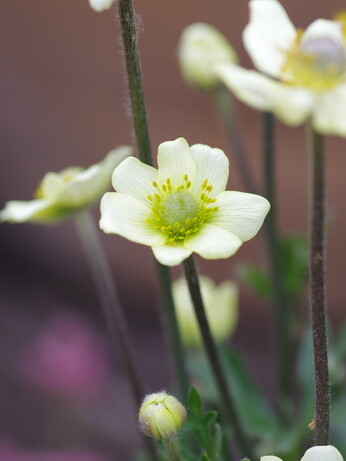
(268, 35)
(100, 5)
(213, 242)
(126, 216)
(170, 255)
(41, 210)
(88, 186)
(135, 178)
(322, 28)
(322, 453)
(291, 104)
(329, 114)
(211, 164)
(270, 458)
(175, 161)
(241, 213)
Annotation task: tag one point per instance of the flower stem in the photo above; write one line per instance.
(317, 288)
(111, 307)
(172, 449)
(131, 54)
(213, 356)
(225, 106)
(276, 270)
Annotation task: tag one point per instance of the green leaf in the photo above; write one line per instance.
(256, 279)
(194, 402)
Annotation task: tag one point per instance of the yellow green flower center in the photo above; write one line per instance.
(318, 63)
(177, 212)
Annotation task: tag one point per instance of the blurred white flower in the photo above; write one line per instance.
(221, 306)
(101, 5)
(201, 46)
(317, 453)
(182, 207)
(304, 72)
(61, 194)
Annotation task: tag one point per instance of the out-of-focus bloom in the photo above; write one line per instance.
(161, 415)
(221, 305)
(67, 358)
(304, 72)
(201, 46)
(182, 207)
(100, 5)
(318, 453)
(61, 194)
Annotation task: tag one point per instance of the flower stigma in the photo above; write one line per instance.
(318, 63)
(177, 212)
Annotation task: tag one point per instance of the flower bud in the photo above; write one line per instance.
(201, 47)
(221, 306)
(322, 453)
(100, 5)
(161, 415)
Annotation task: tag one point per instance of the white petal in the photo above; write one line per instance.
(329, 114)
(291, 104)
(268, 35)
(213, 242)
(41, 211)
(211, 164)
(321, 28)
(241, 213)
(174, 161)
(322, 453)
(51, 185)
(270, 458)
(135, 178)
(88, 186)
(100, 5)
(126, 216)
(170, 255)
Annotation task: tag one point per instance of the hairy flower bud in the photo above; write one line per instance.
(201, 47)
(161, 415)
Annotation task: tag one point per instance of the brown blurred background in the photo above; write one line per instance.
(63, 102)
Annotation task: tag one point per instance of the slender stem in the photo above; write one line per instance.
(131, 54)
(213, 356)
(225, 106)
(273, 244)
(111, 307)
(172, 449)
(317, 288)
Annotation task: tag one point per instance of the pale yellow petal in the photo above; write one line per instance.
(40, 211)
(171, 255)
(269, 34)
(126, 216)
(329, 113)
(241, 213)
(322, 453)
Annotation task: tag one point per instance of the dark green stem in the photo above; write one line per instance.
(131, 54)
(276, 269)
(172, 449)
(111, 307)
(225, 106)
(213, 356)
(317, 288)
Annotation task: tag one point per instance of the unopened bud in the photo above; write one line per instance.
(201, 47)
(161, 415)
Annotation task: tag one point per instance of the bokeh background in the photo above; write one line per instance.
(64, 102)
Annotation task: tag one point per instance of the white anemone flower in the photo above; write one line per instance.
(181, 207)
(101, 5)
(317, 453)
(61, 194)
(304, 72)
(221, 308)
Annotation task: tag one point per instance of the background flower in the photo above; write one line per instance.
(310, 67)
(181, 207)
(100, 5)
(221, 306)
(60, 194)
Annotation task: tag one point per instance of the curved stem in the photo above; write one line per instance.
(276, 270)
(129, 39)
(317, 288)
(111, 307)
(213, 356)
(225, 106)
(172, 449)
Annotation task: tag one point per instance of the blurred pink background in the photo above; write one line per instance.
(63, 102)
